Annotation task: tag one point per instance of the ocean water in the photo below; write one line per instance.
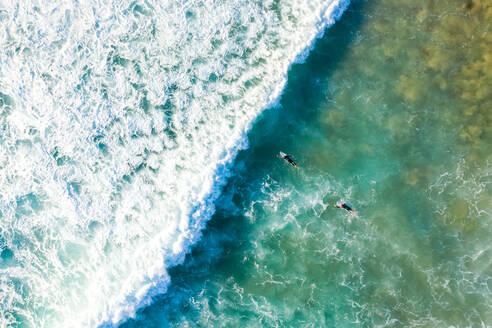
(118, 122)
(391, 112)
(136, 131)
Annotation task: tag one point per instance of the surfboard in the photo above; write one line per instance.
(288, 159)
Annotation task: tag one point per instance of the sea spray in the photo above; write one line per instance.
(118, 121)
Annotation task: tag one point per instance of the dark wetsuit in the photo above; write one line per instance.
(345, 206)
(348, 208)
(290, 160)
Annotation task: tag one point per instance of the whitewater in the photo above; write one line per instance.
(118, 124)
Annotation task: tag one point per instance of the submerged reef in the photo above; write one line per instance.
(458, 54)
(424, 71)
(451, 52)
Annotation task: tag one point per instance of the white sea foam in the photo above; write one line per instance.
(118, 124)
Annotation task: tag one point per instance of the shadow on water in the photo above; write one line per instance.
(219, 253)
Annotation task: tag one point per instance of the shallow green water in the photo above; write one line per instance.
(389, 114)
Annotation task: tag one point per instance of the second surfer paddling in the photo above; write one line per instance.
(288, 159)
(345, 206)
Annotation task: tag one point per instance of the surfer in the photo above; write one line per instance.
(288, 159)
(345, 206)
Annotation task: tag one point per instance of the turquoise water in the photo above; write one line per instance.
(140, 184)
(376, 116)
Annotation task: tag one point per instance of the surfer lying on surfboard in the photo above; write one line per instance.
(288, 159)
(345, 206)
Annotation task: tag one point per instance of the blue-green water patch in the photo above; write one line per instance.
(380, 115)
